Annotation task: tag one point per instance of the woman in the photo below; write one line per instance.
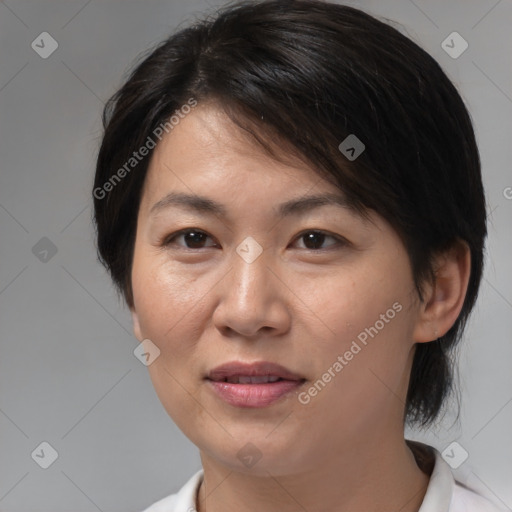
(289, 198)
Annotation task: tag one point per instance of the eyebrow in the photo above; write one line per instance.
(205, 205)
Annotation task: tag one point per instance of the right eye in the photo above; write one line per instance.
(194, 238)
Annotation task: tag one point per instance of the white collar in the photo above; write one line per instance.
(440, 487)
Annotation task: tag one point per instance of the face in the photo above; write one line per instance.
(241, 279)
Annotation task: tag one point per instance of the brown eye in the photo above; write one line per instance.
(193, 238)
(314, 240)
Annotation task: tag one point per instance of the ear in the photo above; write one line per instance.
(136, 325)
(443, 299)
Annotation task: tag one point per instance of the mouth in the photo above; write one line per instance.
(253, 385)
(247, 373)
(246, 379)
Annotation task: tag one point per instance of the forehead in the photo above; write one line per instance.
(206, 153)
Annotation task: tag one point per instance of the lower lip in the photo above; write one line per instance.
(254, 395)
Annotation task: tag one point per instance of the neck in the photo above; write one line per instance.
(378, 476)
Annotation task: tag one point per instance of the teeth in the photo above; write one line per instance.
(244, 379)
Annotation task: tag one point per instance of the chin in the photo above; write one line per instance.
(254, 453)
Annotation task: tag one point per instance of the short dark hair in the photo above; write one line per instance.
(312, 73)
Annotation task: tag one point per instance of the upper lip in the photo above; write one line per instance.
(256, 369)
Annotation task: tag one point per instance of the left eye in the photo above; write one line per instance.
(316, 238)
(195, 238)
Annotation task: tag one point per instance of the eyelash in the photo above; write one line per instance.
(340, 241)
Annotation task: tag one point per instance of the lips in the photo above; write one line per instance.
(245, 379)
(251, 373)
(253, 385)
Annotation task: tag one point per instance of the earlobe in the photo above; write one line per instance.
(443, 303)
(136, 325)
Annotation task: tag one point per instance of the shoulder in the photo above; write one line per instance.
(467, 500)
(166, 504)
(182, 501)
(445, 493)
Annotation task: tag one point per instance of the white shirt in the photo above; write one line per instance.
(444, 494)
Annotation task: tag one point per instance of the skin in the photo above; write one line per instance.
(295, 305)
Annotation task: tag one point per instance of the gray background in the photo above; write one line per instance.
(68, 375)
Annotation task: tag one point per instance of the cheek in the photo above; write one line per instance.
(354, 305)
(167, 300)
(370, 325)
(169, 308)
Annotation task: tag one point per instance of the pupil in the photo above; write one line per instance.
(194, 237)
(312, 237)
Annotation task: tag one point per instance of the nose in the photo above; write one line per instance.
(252, 299)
